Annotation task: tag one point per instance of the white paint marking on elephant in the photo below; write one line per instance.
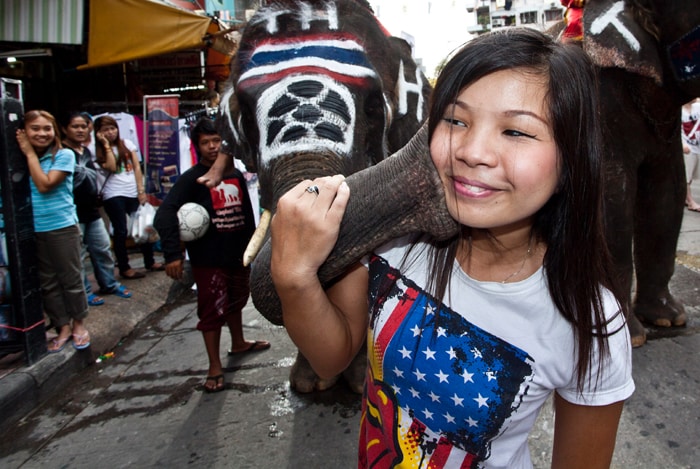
(311, 142)
(305, 15)
(388, 112)
(610, 17)
(226, 110)
(404, 87)
(341, 68)
(308, 14)
(269, 17)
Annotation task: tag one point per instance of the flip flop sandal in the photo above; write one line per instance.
(157, 267)
(257, 346)
(81, 342)
(56, 344)
(218, 384)
(94, 300)
(134, 274)
(122, 292)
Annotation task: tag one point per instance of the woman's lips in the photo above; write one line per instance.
(471, 188)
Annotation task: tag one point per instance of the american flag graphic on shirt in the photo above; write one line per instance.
(439, 388)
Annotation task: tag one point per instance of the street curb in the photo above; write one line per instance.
(26, 388)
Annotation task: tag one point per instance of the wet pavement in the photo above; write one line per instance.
(145, 406)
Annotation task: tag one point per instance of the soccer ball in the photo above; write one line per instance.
(193, 221)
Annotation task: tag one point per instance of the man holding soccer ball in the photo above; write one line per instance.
(216, 255)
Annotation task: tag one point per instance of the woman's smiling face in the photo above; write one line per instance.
(40, 133)
(495, 151)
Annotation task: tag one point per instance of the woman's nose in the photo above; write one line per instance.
(476, 147)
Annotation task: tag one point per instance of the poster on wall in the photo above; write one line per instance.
(161, 113)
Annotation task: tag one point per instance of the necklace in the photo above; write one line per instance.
(522, 266)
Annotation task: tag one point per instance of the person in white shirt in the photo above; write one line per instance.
(468, 337)
(120, 181)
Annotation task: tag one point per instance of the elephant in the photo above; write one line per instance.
(317, 88)
(648, 55)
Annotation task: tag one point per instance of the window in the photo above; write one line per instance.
(553, 15)
(528, 17)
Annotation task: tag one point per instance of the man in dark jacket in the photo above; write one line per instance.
(216, 257)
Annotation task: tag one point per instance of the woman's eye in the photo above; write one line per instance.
(452, 121)
(517, 133)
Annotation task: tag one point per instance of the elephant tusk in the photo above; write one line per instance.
(258, 238)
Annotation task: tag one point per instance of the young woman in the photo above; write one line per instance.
(56, 227)
(468, 338)
(121, 181)
(96, 241)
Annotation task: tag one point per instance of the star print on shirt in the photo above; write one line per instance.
(461, 382)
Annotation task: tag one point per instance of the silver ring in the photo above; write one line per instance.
(312, 190)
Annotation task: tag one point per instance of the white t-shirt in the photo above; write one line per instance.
(461, 383)
(688, 121)
(121, 183)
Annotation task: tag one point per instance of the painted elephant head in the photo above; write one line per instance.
(319, 87)
(402, 194)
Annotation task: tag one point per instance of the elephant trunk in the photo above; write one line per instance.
(403, 194)
(285, 174)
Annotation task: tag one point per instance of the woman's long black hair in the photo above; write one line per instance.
(124, 154)
(577, 262)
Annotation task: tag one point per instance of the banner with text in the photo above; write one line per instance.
(162, 144)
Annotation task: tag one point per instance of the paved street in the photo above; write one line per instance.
(145, 406)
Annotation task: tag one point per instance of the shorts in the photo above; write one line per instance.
(221, 292)
(692, 166)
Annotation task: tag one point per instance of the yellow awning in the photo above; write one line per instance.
(124, 30)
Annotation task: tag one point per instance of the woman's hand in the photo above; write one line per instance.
(305, 228)
(102, 139)
(143, 198)
(24, 145)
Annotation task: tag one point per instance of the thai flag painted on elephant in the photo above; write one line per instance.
(339, 56)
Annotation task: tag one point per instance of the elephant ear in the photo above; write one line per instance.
(228, 126)
(411, 93)
(613, 38)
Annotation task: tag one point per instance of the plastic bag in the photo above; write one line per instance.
(142, 230)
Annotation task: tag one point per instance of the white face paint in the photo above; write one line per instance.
(305, 15)
(611, 18)
(403, 88)
(305, 115)
(226, 110)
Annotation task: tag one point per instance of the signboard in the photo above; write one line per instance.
(161, 115)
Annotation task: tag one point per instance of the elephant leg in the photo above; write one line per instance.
(356, 372)
(658, 220)
(619, 206)
(303, 379)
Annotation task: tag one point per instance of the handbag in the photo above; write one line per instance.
(99, 199)
(142, 230)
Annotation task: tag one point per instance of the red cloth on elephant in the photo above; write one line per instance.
(574, 19)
